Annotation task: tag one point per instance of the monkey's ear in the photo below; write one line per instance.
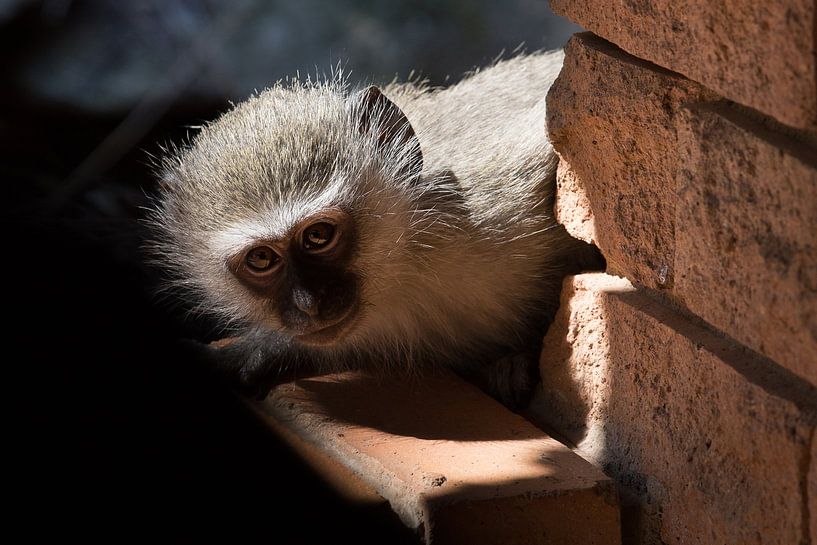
(391, 124)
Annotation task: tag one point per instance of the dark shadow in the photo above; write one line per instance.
(758, 369)
(558, 406)
(435, 406)
(124, 436)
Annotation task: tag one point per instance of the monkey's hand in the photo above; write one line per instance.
(253, 363)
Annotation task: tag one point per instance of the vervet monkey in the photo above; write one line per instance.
(402, 228)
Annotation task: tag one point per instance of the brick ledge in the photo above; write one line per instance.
(453, 463)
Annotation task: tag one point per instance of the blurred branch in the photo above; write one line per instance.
(147, 112)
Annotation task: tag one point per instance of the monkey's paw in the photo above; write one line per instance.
(247, 371)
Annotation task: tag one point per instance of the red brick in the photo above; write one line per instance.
(760, 54)
(339, 478)
(692, 196)
(453, 463)
(612, 120)
(658, 403)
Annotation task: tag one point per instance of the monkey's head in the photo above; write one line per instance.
(295, 210)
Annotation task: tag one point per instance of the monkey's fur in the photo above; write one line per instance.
(451, 253)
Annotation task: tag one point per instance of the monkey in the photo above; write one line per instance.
(394, 229)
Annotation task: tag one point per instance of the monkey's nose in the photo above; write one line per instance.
(305, 301)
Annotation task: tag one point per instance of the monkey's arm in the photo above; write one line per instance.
(257, 360)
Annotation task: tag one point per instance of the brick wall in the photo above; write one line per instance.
(688, 138)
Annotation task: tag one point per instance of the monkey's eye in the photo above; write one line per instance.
(261, 259)
(318, 236)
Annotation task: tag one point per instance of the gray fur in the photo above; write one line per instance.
(460, 264)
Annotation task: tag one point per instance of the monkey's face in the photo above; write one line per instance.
(297, 211)
(304, 277)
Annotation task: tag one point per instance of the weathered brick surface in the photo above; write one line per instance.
(657, 402)
(760, 54)
(572, 206)
(452, 462)
(613, 120)
(691, 196)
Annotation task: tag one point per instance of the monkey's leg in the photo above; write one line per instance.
(510, 380)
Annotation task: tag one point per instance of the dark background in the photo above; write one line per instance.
(117, 433)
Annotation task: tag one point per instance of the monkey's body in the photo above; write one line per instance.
(437, 209)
